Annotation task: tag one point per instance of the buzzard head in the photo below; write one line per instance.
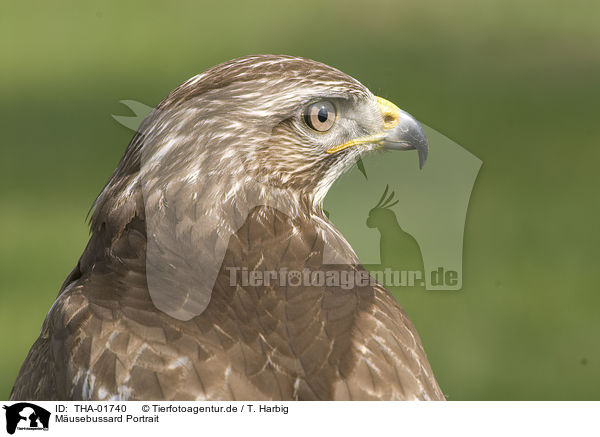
(259, 130)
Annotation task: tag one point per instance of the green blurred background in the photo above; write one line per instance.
(516, 83)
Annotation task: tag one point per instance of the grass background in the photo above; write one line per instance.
(517, 83)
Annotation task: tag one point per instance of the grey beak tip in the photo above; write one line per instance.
(422, 159)
(408, 135)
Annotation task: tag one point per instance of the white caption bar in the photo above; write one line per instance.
(302, 418)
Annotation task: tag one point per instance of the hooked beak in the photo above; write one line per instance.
(407, 135)
(400, 132)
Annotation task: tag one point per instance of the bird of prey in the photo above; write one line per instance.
(227, 177)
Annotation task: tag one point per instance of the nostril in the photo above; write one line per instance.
(389, 119)
(390, 113)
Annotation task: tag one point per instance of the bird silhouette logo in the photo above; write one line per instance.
(398, 248)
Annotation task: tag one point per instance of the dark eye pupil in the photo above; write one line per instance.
(323, 114)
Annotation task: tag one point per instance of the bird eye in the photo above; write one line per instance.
(320, 116)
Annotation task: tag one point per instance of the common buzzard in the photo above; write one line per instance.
(179, 294)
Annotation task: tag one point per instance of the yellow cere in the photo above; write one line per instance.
(389, 112)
